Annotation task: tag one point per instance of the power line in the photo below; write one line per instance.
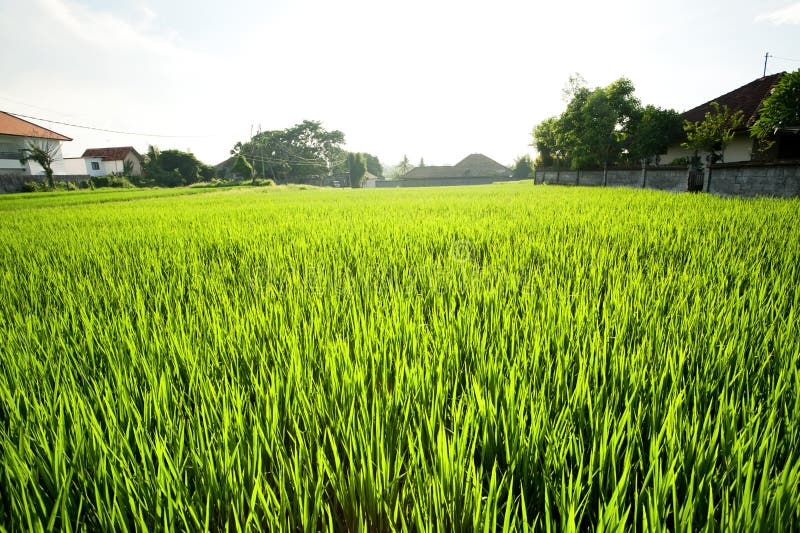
(786, 59)
(20, 115)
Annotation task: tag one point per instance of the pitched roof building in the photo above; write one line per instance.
(17, 127)
(748, 99)
(16, 134)
(104, 161)
(472, 166)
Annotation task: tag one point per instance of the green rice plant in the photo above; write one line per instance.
(490, 358)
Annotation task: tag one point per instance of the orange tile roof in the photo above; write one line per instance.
(11, 125)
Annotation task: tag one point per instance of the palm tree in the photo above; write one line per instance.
(44, 154)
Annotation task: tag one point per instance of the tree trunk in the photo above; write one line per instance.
(605, 173)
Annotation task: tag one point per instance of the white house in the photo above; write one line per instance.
(17, 134)
(747, 99)
(106, 161)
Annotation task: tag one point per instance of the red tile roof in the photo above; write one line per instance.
(111, 154)
(747, 99)
(11, 125)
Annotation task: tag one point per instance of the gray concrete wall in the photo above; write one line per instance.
(13, 183)
(752, 180)
(729, 179)
(443, 182)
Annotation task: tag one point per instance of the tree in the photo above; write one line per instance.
(593, 129)
(172, 168)
(780, 109)
(44, 154)
(549, 141)
(243, 168)
(713, 133)
(374, 166)
(523, 167)
(404, 167)
(306, 149)
(357, 167)
(652, 134)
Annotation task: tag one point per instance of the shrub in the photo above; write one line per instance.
(116, 182)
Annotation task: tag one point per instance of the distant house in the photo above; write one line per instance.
(747, 99)
(472, 170)
(16, 134)
(107, 161)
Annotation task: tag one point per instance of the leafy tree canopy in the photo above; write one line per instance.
(523, 167)
(781, 109)
(172, 168)
(357, 167)
(593, 129)
(652, 134)
(306, 149)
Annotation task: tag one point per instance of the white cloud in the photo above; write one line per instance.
(786, 15)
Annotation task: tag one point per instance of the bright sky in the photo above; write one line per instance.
(438, 79)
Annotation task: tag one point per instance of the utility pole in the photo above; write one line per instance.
(766, 57)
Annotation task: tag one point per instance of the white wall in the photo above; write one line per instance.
(739, 149)
(75, 166)
(112, 166)
(10, 143)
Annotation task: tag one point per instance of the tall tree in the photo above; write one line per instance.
(358, 168)
(594, 127)
(523, 167)
(43, 153)
(374, 166)
(550, 142)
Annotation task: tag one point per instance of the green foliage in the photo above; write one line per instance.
(117, 182)
(596, 128)
(357, 167)
(523, 167)
(780, 109)
(306, 149)
(127, 168)
(653, 132)
(598, 121)
(549, 139)
(374, 166)
(172, 168)
(242, 168)
(457, 359)
(714, 132)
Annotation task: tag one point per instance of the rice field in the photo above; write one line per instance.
(509, 357)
